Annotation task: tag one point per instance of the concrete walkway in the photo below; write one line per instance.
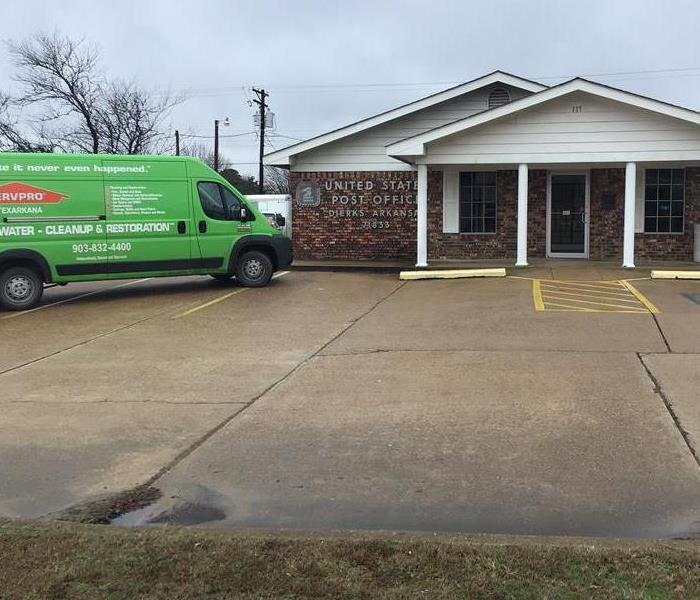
(538, 267)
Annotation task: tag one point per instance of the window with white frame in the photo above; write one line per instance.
(477, 202)
(664, 200)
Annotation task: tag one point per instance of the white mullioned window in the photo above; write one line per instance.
(664, 200)
(477, 202)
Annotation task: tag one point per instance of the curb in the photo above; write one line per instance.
(675, 274)
(451, 274)
(346, 269)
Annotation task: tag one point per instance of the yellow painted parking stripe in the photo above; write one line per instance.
(210, 303)
(570, 308)
(578, 284)
(625, 298)
(612, 311)
(537, 295)
(622, 293)
(641, 297)
(590, 302)
(220, 299)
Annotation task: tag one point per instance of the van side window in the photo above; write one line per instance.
(218, 202)
(231, 204)
(210, 197)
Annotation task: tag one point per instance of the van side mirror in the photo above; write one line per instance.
(242, 214)
(280, 220)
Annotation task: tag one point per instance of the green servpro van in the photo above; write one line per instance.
(70, 217)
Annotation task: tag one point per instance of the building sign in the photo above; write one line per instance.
(359, 215)
(308, 194)
(375, 204)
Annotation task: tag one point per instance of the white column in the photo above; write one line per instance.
(521, 260)
(628, 239)
(422, 217)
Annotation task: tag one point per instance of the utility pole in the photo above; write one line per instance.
(261, 94)
(177, 142)
(216, 145)
(225, 123)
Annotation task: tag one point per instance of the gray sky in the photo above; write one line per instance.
(321, 60)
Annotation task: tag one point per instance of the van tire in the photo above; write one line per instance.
(254, 269)
(21, 288)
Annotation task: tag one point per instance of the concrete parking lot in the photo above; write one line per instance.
(352, 400)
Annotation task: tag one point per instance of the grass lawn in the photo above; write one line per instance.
(68, 560)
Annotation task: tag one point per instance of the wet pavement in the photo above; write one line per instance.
(351, 400)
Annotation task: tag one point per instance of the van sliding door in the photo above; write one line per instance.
(148, 218)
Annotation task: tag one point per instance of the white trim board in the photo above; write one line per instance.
(284, 157)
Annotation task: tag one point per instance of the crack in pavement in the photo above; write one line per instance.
(212, 432)
(87, 402)
(658, 390)
(78, 344)
(100, 336)
(661, 332)
(486, 351)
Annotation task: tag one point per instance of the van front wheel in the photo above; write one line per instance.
(254, 269)
(20, 288)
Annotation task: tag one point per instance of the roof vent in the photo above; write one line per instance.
(498, 97)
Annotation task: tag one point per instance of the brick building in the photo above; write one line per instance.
(502, 168)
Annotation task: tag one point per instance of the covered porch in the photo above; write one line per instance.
(629, 213)
(579, 170)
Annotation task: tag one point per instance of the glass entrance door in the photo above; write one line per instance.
(567, 216)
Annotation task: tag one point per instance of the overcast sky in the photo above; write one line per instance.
(329, 63)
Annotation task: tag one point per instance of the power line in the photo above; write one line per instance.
(287, 137)
(367, 86)
(210, 137)
(615, 74)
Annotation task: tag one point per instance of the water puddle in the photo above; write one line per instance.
(203, 505)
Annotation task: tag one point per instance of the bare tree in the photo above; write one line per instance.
(130, 121)
(204, 153)
(61, 75)
(72, 106)
(276, 180)
(245, 184)
(11, 138)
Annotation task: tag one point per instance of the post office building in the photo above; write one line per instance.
(506, 168)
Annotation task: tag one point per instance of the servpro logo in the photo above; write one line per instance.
(21, 193)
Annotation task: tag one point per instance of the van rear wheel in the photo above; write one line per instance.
(21, 288)
(254, 269)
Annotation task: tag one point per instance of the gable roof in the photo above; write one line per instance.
(283, 156)
(415, 145)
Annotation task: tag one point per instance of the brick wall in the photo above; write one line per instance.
(378, 221)
(537, 213)
(503, 243)
(375, 222)
(607, 227)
